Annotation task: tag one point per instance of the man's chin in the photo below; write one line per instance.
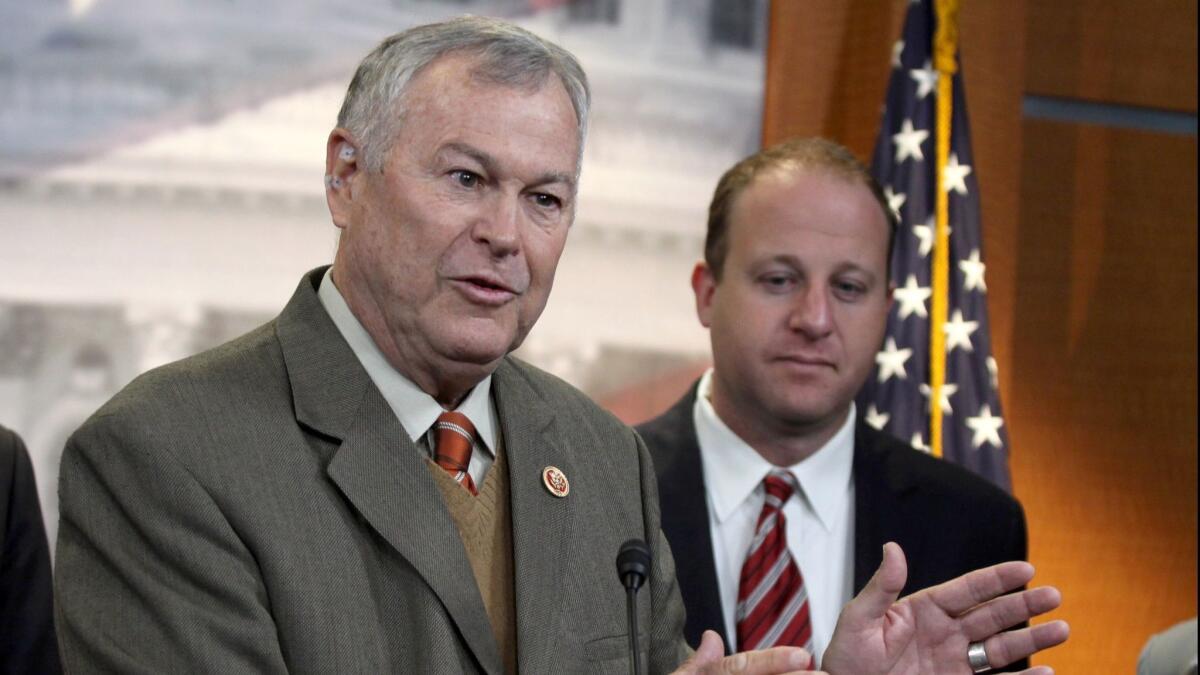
(811, 413)
(480, 351)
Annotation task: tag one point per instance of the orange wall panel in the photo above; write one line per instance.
(1103, 397)
(827, 69)
(1133, 53)
(1090, 238)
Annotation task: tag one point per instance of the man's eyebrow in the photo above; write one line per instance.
(554, 177)
(852, 266)
(488, 163)
(484, 159)
(795, 262)
(780, 259)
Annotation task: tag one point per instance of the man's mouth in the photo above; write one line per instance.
(807, 360)
(485, 289)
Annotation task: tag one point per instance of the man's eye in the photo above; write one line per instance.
(547, 201)
(776, 282)
(467, 179)
(848, 289)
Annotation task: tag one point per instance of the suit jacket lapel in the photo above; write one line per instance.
(384, 475)
(683, 495)
(879, 487)
(542, 523)
(377, 467)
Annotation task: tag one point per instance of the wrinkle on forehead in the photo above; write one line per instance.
(479, 77)
(493, 119)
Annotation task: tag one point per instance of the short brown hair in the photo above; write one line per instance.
(807, 153)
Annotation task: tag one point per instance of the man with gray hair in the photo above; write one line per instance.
(369, 483)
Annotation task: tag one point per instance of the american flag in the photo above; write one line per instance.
(896, 399)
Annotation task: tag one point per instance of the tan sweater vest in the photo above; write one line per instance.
(485, 525)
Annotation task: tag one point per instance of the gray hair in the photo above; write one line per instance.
(509, 55)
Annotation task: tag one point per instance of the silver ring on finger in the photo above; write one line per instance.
(977, 657)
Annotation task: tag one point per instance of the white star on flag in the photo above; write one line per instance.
(918, 443)
(993, 372)
(986, 428)
(972, 269)
(908, 142)
(912, 298)
(897, 51)
(954, 175)
(875, 418)
(924, 234)
(891, 361)
(948, 390)
(895, 201)
(926, 79)
(958, 332)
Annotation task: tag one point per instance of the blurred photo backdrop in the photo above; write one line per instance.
(161, 168)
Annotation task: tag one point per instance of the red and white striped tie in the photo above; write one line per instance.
(772, 606)
(453, 438)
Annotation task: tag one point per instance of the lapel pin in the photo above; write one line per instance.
(556, 481)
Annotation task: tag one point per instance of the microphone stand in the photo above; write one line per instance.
(633, 566)
(635, 653)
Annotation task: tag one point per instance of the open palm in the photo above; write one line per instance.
(928, 632)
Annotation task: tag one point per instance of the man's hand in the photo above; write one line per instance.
(708, 660)
(928, 632)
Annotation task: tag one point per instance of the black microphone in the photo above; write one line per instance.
(633, 566)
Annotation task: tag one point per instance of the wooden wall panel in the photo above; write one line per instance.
(827, 69)
(992, 39)
(1090, 238)
(1103, 398)
(1134, 53)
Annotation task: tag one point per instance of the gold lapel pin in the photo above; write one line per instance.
(556, 481)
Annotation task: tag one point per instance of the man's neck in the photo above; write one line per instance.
(453, 381)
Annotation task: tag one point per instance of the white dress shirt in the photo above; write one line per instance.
(820, 517)
(416, 410)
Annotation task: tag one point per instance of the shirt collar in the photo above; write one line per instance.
(733, 469)
(416, 410)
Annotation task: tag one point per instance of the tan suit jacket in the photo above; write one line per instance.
(259, 508)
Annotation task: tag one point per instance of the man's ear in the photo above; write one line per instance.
(704, 284)
(341, 169)
(891, 297)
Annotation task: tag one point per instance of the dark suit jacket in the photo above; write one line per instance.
(948, 520)
(27, 643)
(259, 508)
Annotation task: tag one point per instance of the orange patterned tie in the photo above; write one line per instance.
(453, 438)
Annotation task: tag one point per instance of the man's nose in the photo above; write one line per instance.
(499, 225)
(812, 312)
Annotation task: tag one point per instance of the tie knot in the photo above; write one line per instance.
(453, 437)
(780, 485)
